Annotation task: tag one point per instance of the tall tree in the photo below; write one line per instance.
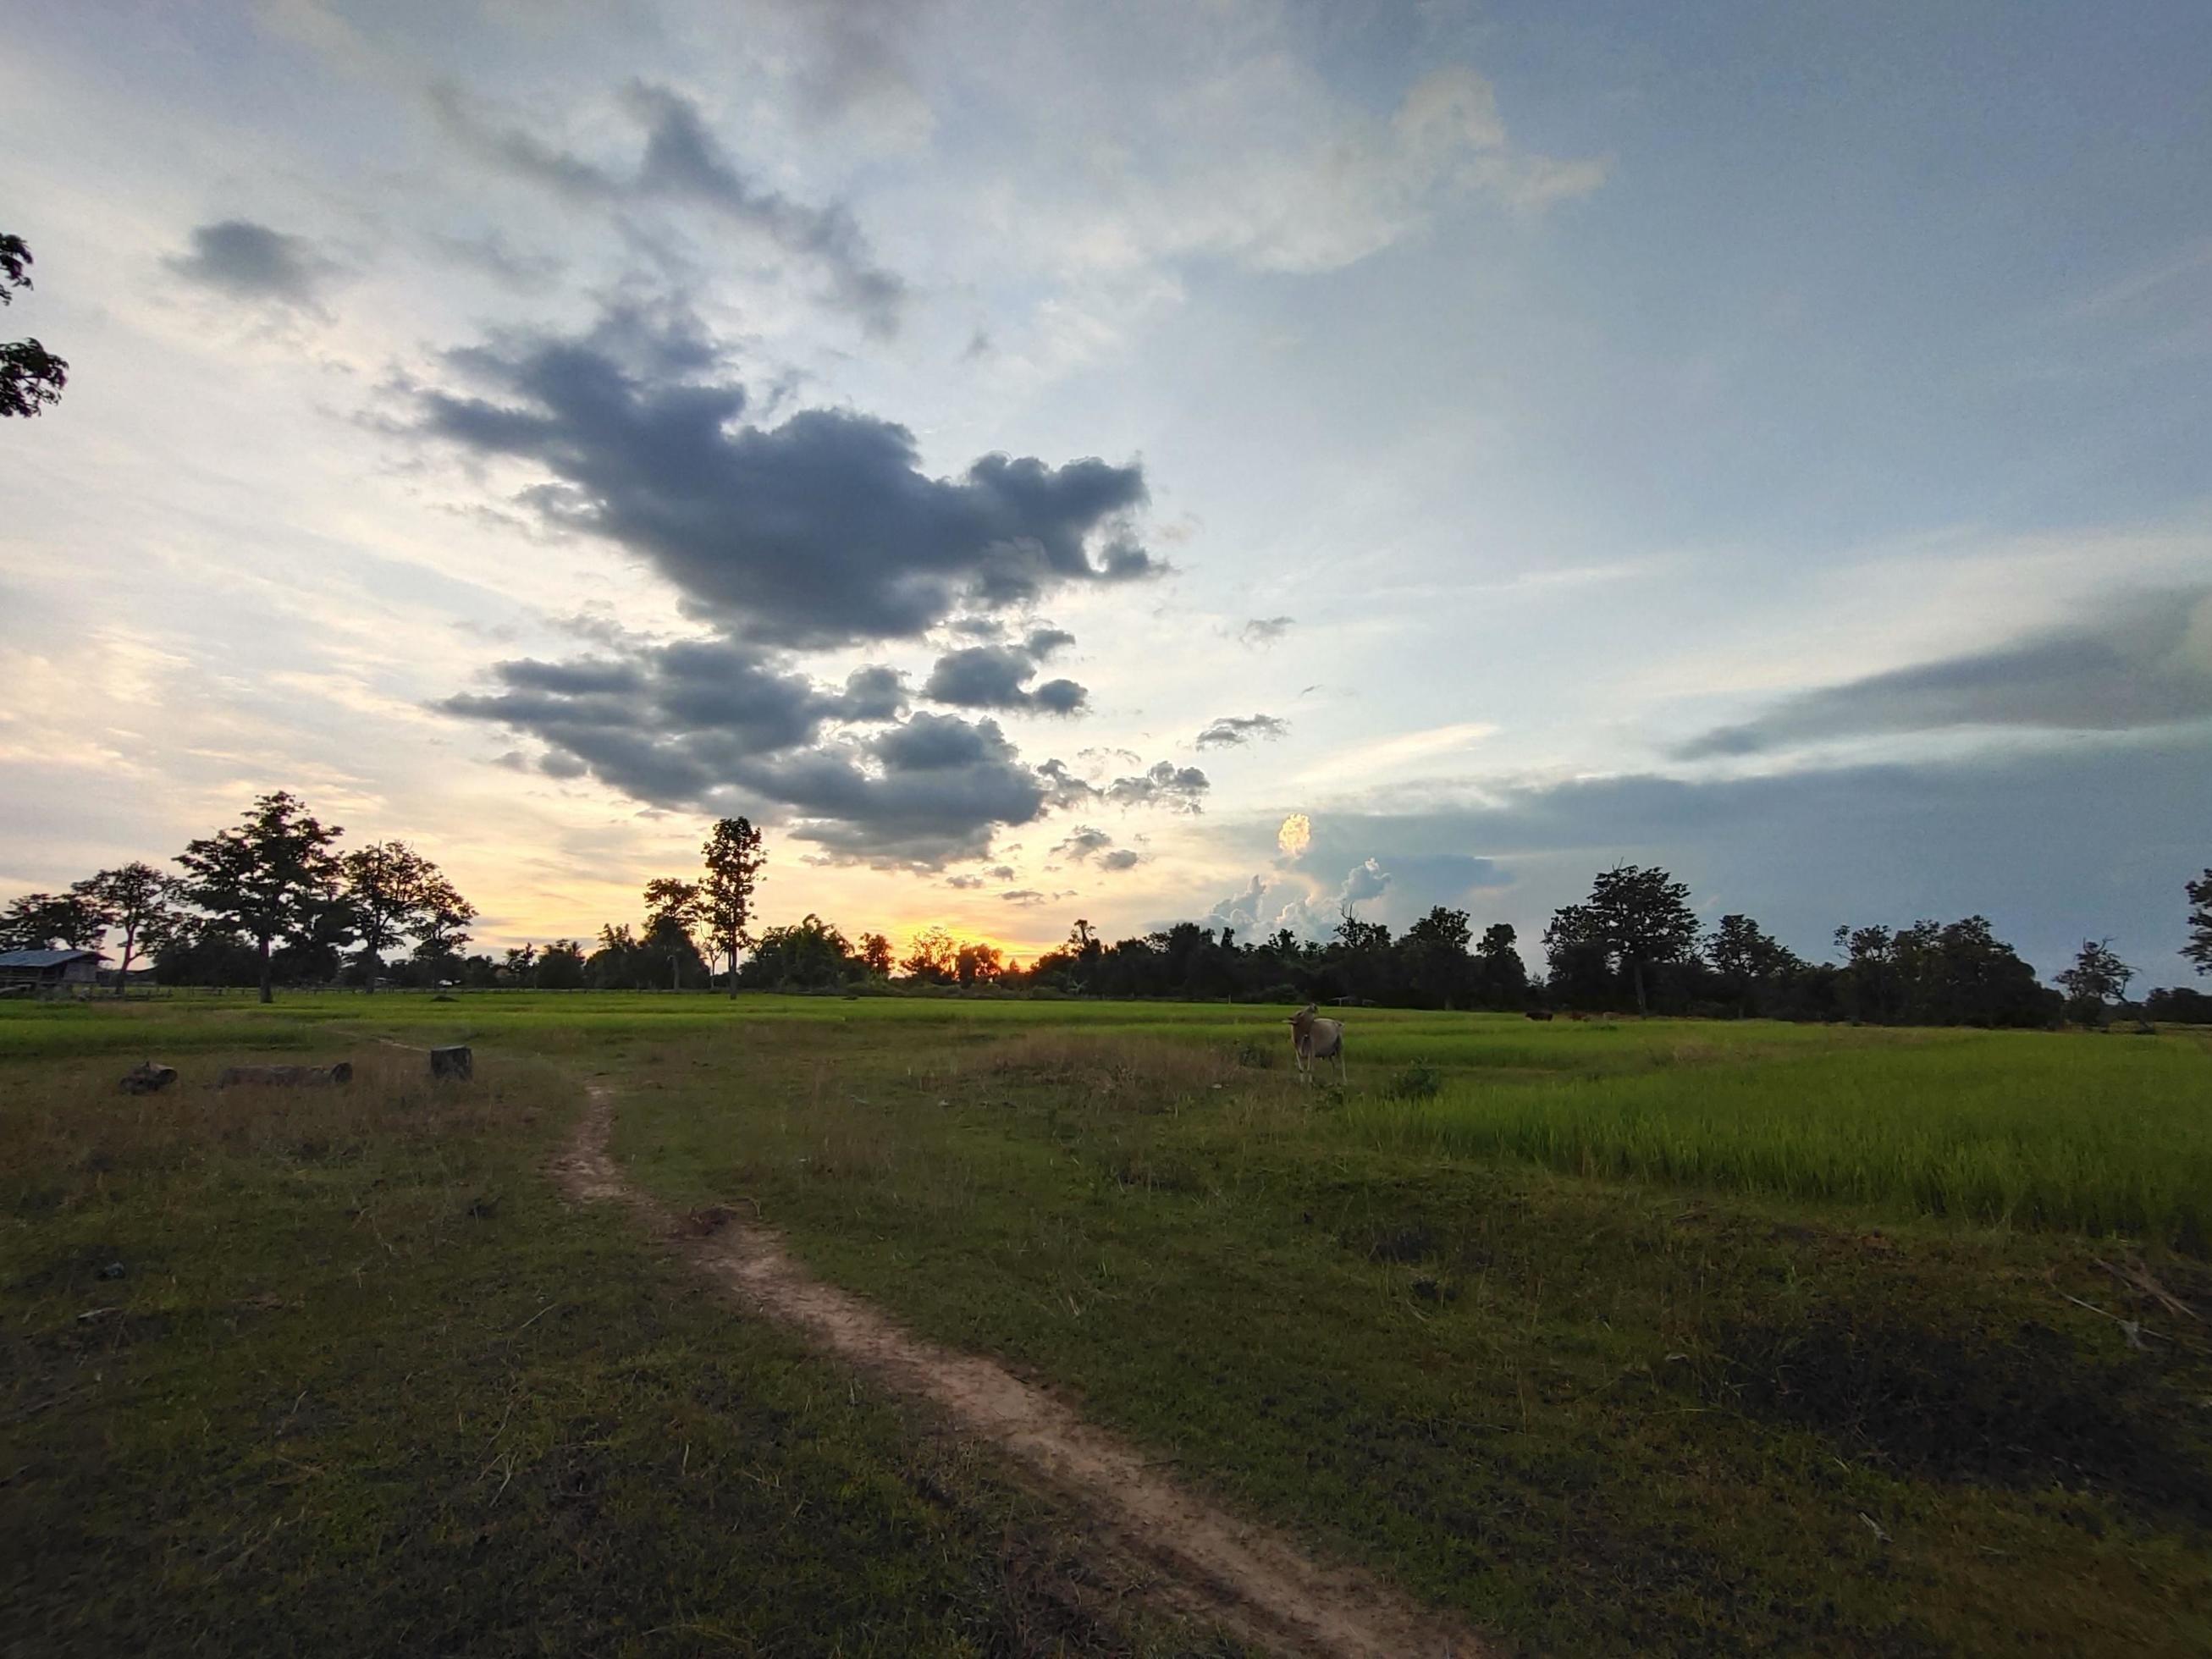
(395, 892)
(2097, 980)
(2199, 948)
(1501, 978)
(268, 878)
(138, 899)
(441, 930)
(876, 954)
(733, 858)
(1435, 948)
(932, 958)
(672, 911)
(31, 377)
(1643, 917)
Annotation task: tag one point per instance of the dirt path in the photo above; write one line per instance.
(1203, 1562)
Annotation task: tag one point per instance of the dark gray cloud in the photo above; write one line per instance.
(1000, 873)
(251, 262)
(1123, 858)
(1231, 730)
(2146, 663)
(683, 162)
(1178, 788)
(1082, 842)
(1042, 643)
(714, 723)
(1265, 630)
(963, 883)
(996, 676)
(1024, 895)
(816, 531)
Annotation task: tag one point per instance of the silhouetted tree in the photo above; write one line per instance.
(876, 954)
(560, 966)
(1643, 917)
(74, 920)
(1437, 965)
(2097, 980)
(1745, 956)
(673, 908)
(31, 377)
(2199, 948)
(810, 954)
(270, 877)
(932, 958)
(521, 965)
(733, 859)
(1501, 978)
(395, 892)
(441, 929)
(135, 898)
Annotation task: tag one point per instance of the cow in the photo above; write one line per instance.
(1314, 1038)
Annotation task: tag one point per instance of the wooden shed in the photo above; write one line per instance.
(49, 970)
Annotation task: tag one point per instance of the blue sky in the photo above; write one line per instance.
(1766, 440)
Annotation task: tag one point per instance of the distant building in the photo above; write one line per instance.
(49, 970)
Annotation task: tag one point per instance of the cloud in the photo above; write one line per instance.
(1262, 631)
(1042, 643)
(714, 724)
(817, 532)
(963, 882)
(247, 261)
(1178, 789)
(1124, 858)
(993, 677)
(1231, 730)
(1082, 842)
(1364, 880)
(2145, 663)
(683, 162)
(1024, 895)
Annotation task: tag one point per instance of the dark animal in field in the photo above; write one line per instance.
(1540, 1013)
(148, 1080)
(308, 1077)
(1314, 1038)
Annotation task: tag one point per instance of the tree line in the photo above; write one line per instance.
(274, 899)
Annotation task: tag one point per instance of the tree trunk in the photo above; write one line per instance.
(733, 973)
(1635, 970)
(375, 966)
(268, 993)
(123, 968)
(675, 972)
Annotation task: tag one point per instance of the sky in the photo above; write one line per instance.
(1020, 455)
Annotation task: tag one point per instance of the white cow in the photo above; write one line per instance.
(1314, 1038)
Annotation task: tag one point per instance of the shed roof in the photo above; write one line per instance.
(45, 959)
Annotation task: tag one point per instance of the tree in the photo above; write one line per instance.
(395, 892)
(1436, 949)
(1501, 978)
(267, 878)
(136, 897)
(441, 928)
(560, 966)
(933, 958)
(1745, 955)
(876, 954)
(74, 920)
(31, 377)
(521, 963)
(1643, 917)
(734, 857)
(809, 954)
(2097, 980)
(672, 908)
(978, 964)
(2199, 948)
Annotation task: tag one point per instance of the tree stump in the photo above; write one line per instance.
(456, 1063)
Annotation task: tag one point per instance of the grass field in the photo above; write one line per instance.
(1637, 1336)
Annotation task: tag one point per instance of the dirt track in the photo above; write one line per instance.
(1203, 1561)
